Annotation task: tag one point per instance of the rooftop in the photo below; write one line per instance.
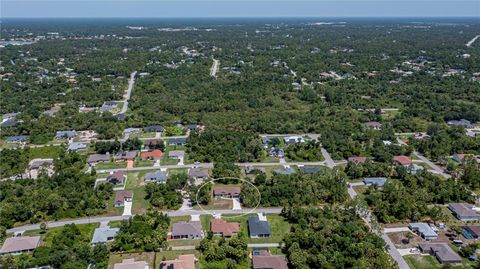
(104, 234)
(223, 227)
(22, 243)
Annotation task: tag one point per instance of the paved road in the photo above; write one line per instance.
(435, 167)
(52, 224)
(351, 191)
(470, 43)
(131, 82)
(402, 264)
(329, 161)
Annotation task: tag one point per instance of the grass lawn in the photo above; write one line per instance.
(110, 165)
(142, 134)
(178, 219)
(136, 184)
(184, 242)
(270, 159)
(140, 163)
(216, 204)
(422, 262)
(47, 237)
(149, 257)
(278, 227)
(167, 161)
(45, 152)
(205, 220)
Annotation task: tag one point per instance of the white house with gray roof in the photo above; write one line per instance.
(159, 177)
(104, 235)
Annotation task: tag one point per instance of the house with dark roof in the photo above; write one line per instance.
(104, 234)
(20, 244)
(285, 171)
(471, 232)
(357, 160)
(309, 170)
(464, 211)
(153, 129)
(224, 228)
(264, 260)
(226, 191)
(258, 228)
(17, 139)
(441, 251)
(252, 170)
(186, 230)
(461, 158)
(152, 144)
(118, 177)
(126, 155)
(196, 173)
(375, 125)
(460, 123)
(9, 123)
(179, 141)
(65, 135)
(77, 146)
(122, 196)
(159, 177)
(424, 230)
(96, 158)
(193, 127)
(375, 181)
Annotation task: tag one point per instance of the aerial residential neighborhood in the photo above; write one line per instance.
(239, 134)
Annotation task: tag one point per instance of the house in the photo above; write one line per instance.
(441, 251)
(186, 230)
(226, 191)
(375, 181)
(125, 155)
(264, 260)
(104, 235)
(193, 127)
(464, 211)
(20, 244)
(309, 170)
(65, 135)
(461, 158)
(151, 155)
(123, 196)
(9, 116)
(176, 154)
(424, 230)
(285, 171)
(421, 136)
(375, 125)
(289, 140)
(402, 160)
(131, 264)
(87, 135)
(196, 173)
(258, 228)
(471, 232)
(9, 123)
(460, 123)
(180, 141)
(186, 261)
(153, 129)
(414, 168)
(77, 146)
(251, 170)
(17, 139)
(357, 160)
(38, 163)
(118, 177)
(159, 177)
(96, 158)
(265, 142)
(152, 144)
(224, 228)
(130, 131)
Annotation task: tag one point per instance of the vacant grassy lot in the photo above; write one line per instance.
(45, 152)
(110, 165)
(47, 237)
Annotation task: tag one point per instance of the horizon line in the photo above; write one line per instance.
(255, 17)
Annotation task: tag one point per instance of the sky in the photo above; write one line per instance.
(235, 8)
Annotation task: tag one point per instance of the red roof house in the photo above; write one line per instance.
(402, 160)
(151, 155)
(227, 229)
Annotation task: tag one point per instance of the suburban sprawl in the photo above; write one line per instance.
(263, 143)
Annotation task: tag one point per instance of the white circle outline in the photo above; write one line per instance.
(212, 181)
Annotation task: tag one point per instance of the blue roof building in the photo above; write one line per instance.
(375, 181)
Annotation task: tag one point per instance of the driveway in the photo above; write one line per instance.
(236, 204)
(127, 209)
